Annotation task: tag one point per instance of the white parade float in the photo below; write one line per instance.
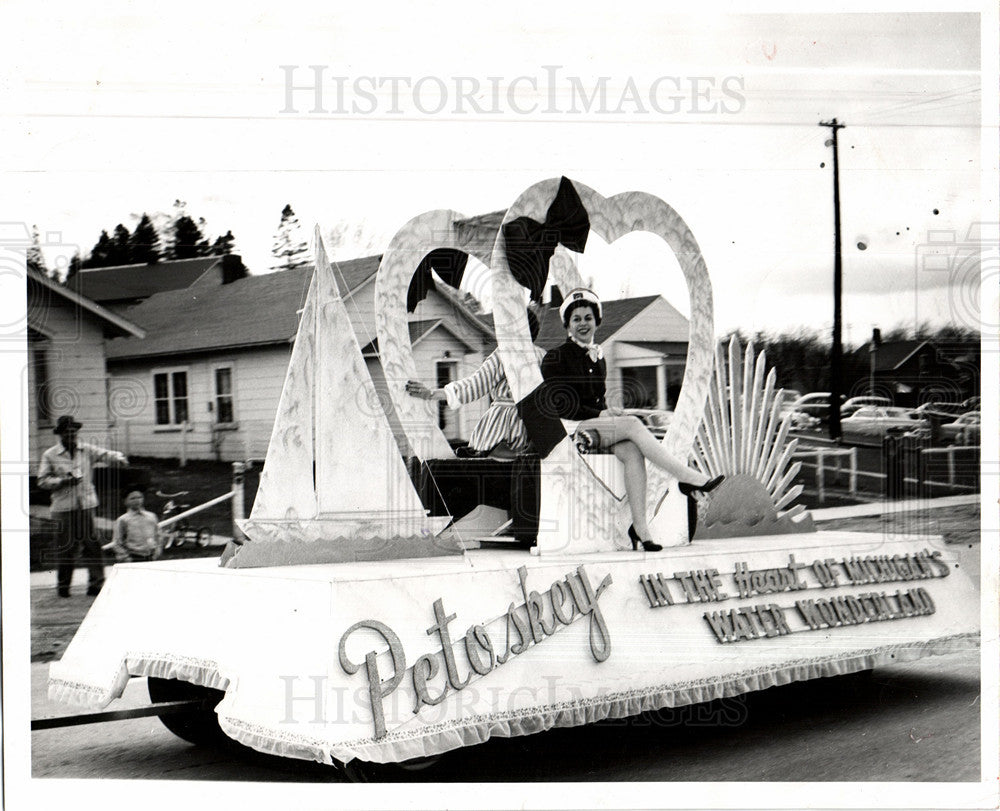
(352, 625)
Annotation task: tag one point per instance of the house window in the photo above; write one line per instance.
(224, 412)
(39, 360)
(445, 373)
(170, 394)
(639, 386)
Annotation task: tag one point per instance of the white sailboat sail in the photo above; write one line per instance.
(334, 487)
(286, 488)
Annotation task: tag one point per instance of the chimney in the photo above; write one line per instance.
(556, 297)
(233, 268)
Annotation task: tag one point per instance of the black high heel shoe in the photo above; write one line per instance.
(688, 489)
(649, 546)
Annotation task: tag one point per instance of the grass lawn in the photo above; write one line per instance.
(202, 480)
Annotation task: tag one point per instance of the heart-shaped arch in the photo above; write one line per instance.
(420, 236)
(567, 482)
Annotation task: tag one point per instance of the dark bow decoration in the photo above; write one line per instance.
(448, 263)
(530, 244)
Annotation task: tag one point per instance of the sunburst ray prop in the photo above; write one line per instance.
(744, 436)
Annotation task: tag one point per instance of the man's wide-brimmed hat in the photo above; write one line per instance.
(66, 423)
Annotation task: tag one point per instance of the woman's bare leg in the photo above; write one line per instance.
(619, 429)
(635, 484)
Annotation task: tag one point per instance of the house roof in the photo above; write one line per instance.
(418, 330)
(140, 281)
(616, 314)
(252, 311)
(354, 273)
(44, 286)
(892, 354)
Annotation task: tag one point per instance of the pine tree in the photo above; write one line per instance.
(158, 236)
(121, 248)
(74, 267)
(34, 256)
(189, 241)
(223, 246)
(100, 254)
(144, 243)
(290, 247)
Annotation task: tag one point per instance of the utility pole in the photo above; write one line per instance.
(872, 353)
(837, 350)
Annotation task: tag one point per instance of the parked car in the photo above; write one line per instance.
(802, 421)
(874, 422)
(788, 398)
(972, 404)
(856, 403)
(941, 409)
(655, 419)
(963, 431)
(816, 404)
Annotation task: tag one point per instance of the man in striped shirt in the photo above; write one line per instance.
(501, 422)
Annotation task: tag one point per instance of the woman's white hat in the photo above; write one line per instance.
(580, 294)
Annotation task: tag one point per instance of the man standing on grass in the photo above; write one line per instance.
(67, 471)
(136, 537)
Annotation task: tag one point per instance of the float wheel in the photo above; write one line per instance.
(362, 771)
(200, 727)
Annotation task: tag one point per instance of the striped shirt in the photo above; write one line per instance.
(501, 421)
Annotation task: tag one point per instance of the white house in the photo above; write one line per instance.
(66, 371)
(205, 382)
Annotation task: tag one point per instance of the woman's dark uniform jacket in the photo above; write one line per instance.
(574, 384)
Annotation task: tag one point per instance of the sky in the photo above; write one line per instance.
(718, 114)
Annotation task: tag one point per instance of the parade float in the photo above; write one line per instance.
(352, 625)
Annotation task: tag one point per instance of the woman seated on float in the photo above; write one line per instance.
(575, 374)
(500, 430)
